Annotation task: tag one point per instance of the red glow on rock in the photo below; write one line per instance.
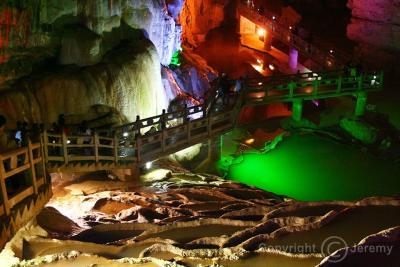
(15, 28)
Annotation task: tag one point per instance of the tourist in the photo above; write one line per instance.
(24, 134)
(35, 133)
(5, 142)
(238, 85)
(224, 86)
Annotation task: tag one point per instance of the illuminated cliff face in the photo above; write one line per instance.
(86, 33)
(128, 79)
(375, 22)
(23, 25)
(198, 17)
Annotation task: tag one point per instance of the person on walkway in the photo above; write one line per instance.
(238, 85)
(224, 86)
(24, 134)
(35, 133)
(5, 142)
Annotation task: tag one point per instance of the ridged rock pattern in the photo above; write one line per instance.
(192, 220)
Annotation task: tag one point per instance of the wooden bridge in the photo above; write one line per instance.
(320, 53)
(152, 138)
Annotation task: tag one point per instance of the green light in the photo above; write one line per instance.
(176, 61)
(311, 168)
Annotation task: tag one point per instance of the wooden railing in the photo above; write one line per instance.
(138, 142)
(321, 54)
(309, 86)
(21, 166)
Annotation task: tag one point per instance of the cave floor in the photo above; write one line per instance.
(190, 220)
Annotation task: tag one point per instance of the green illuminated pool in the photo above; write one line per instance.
(311, 168)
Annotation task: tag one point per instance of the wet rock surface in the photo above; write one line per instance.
(188, 220)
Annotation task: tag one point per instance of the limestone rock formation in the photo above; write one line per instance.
(39, 24)
(127, 79)
(375, 24)
(193, 220)
(199, 17)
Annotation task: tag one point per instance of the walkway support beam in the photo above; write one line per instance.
(297, 109)
(361, 104)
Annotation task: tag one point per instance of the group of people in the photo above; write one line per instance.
(225, 89)
(10, 139)
(24, 132)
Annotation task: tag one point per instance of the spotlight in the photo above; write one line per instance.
(271, 67)
(331, 51)
(249, 141)
(273, 17)
(148, 165)
(68, 141)
(125, 134)
(260, 83)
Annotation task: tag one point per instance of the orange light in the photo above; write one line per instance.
(249, 141)
(261, 32)
(308, 89)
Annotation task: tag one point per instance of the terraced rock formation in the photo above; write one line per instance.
(181, 219)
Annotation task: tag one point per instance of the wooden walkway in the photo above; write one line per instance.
(145, 140)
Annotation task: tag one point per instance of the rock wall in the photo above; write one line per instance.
(36, 37)
(127, 79)
(198, 17)
(85, 37)
(376, 26)
(31, 32)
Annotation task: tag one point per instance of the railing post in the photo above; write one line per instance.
(137, 126)
(116, 145)
(45, 140)
(209, 126)
(297, 109)
(44, 154)
(187, 122)
(360, 81)
(138, 147)
(64, 146)
(315, 84)
(205, 109)
(292, 85)
(4, 195)
(381, 79)
(96, 146)
(33, 170)
(339, 85)
(163, 127)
